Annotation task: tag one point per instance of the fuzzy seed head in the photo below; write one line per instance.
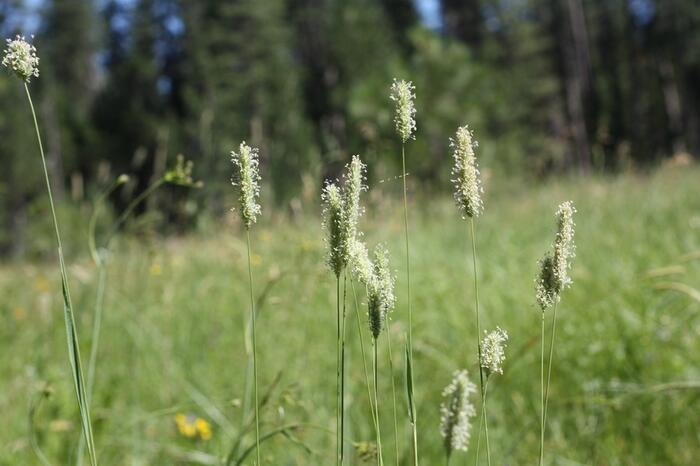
(564, 247)
(403, 95)
(378, 280)
(554, 267)
(380, 292)
(20, 57)
(546, 285)
(465, 173)
(353, 186)
(456, 411)
(360, 264)
(333, 221)
(246, 179)
(493, 351)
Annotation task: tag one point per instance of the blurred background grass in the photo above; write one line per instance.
(626, 381)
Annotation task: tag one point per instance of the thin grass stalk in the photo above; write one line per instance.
(484, 416)
(478, 438)
(393, 396)
(478, 327)
(337, 372)
(414, 421)
(549, 366)
(342, 373)
(71, 330)
(476, 304)
(255, 356)
(542, 393)
(362, 350)
(380, 459)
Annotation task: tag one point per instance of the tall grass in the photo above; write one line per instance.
(246, 179)
(402, 94)
(68, 312)
(553, 279)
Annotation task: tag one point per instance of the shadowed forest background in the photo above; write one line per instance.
(549, 86)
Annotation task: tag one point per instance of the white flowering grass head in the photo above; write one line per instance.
(378, 280)
(456, 412)
(564, 247)
(465, 172)
(493, 352)
(20, 57)
(246, 179)
(554, 267)
(353, 185)
(332, 201)
(380, 292)
(360, 264)
(403, 95)
(545, 286)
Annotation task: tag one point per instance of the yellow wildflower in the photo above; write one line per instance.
(185, 425)
(204, 428)
(190, 426)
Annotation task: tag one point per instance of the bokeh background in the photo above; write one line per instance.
(597, 101)
(549, 86)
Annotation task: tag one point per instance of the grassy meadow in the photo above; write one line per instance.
(626, 382)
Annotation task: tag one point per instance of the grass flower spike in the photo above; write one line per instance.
(493, 351)
(20, 57)
(456, 412)
(546, 290)
(333, 222)
(247, 179)
(352, 211)
(564, 247)
(380, 292)
(468, 188)
(360, 263)
(403, 96)
(492, 356)
(552, 279)
(402, 93)
(554, 267)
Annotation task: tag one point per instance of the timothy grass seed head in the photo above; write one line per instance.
(466, 179)
(456, 411)
(246, 178)
(493, 351)
(333, 221)
(354, 184)
(564, 247)
(360, 264)
(377, 277)
(554, 267)
(546, 291)
(402, 93)
(20, 57)
(380, 292)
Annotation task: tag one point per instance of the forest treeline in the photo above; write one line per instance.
(547, 85)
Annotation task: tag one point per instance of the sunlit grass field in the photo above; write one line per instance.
(626, 381)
